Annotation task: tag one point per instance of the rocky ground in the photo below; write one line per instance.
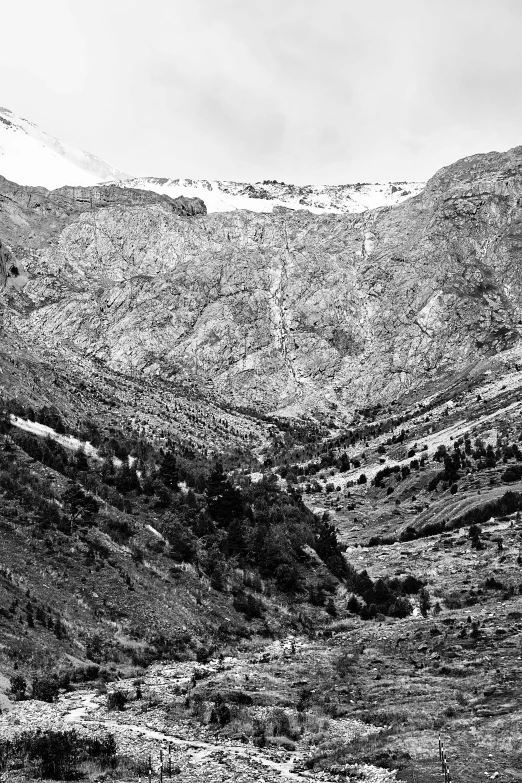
(159, 725)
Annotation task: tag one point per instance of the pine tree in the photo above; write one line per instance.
(223, 499)
(168, 471)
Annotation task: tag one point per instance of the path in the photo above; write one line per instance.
(205, 749)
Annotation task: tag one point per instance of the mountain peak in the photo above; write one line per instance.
(29, 156)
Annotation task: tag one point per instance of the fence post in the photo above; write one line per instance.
(150, 768)
(170, 763)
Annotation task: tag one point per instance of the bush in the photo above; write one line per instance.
(513, 473)
(248, 605)
(353, 605)
(45, 689)
(18, 686)
(424, 601)
(55, 754)
(220, 714)
(287, 577)
(401, 608)
(116, 700)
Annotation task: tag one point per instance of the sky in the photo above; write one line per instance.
(304, 91)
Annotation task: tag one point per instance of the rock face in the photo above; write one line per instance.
(289, 309)
(12, 273)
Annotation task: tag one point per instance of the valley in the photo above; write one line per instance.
(261, 484)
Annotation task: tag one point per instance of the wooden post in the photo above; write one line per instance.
(150, 768)
(170, 763)
(440, 748)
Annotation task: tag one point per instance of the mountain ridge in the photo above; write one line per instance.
(265, 196)
(32, 157)
(287, 310)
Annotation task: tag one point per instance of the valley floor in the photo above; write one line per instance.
(153, 724)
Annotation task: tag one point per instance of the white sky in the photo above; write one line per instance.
(307, 91)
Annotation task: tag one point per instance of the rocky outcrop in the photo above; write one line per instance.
(293, 310)
(12, 272)
(78, 199)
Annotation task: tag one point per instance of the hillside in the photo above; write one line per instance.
(30, 156)
(286, 311)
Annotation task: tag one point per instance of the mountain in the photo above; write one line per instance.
(30, 156)
(359, 376)
(285, 310)
(264, 196)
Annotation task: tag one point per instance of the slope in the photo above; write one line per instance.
(32, 157)
(286, 311)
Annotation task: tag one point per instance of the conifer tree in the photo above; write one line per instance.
(223, 499)
(168, 471)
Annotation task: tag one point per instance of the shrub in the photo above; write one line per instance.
(353, 605)
(45, 689)
(18, 686)
(287, 577)
(513, 473)
(55, 754)
(116, 700)
(248, 605)
(220, 714)
(401, 608)
(424, 601)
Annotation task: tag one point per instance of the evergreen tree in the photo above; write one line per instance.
(127, 479)
(223, 499)
(327, 547)
(168, 471)
(81, 460)
(5, 423)
(80, 504)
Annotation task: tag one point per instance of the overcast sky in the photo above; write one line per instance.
(307, 91)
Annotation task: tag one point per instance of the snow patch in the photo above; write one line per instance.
(226, 196)
(154, 532)
(67, 441)
(28, 156)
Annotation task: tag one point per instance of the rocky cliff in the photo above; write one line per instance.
(287, 310)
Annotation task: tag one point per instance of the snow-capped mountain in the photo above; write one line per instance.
(29, 156)
(224, 196)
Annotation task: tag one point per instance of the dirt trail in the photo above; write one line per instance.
(204, 749)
